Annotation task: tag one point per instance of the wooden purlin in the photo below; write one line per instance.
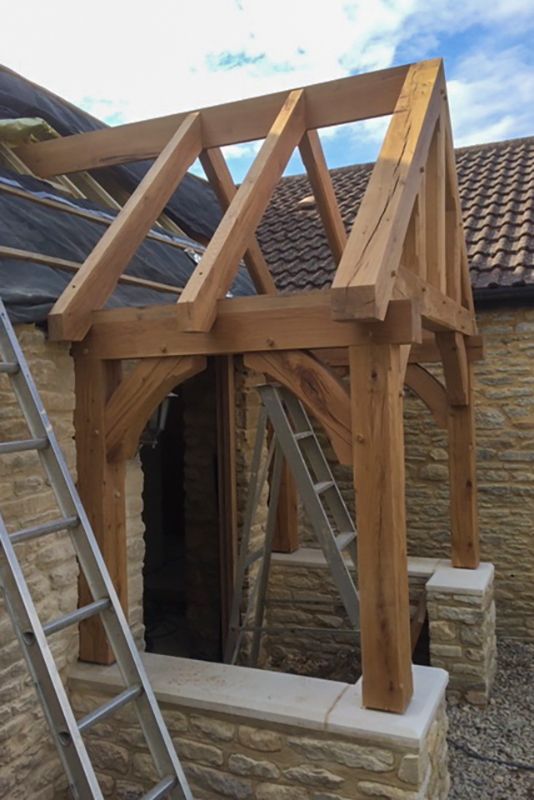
(70, 317)
(364, 280)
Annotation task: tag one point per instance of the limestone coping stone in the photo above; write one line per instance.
(276, 697)
(454, 580)
(418, 567)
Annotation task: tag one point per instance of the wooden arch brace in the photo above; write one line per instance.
(138, 395)
(430, 391)
(321, 392)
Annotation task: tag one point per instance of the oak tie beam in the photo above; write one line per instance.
(400, 299)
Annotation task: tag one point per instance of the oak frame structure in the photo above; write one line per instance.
(401, 297)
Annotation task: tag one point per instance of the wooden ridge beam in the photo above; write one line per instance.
(363, 283)
(223, 185)
(321, 392)
(373, 94)
(138, 395)
(214, 274)
(245, 324)
(70, 317)
(323, 190)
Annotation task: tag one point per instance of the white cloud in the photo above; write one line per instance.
(131, 60)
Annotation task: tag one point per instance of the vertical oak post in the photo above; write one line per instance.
(101, 485)
(377, 377)
(458, 373)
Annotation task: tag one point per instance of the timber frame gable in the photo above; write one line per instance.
(400, 298)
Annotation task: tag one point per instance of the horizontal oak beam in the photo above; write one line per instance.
(426, 352)
(245, 324)
(373, 94)
(439, 312)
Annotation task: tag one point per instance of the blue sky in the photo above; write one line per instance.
(150, 59)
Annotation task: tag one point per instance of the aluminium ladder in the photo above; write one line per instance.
(67, 732)
(294, 439)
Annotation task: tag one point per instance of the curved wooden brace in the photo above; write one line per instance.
(430, 391)
(138, 395)
(321, 392)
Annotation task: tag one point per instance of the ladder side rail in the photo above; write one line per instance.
(313, 452)
(48, 684)
(262, 578)
(92, 564)
(258, 476)
(314, 508)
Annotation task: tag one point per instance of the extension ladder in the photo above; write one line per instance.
(67, 732)
(294, 440)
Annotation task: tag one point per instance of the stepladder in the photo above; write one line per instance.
(66, 730)
(294, 439)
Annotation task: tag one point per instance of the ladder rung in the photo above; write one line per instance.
(23, 444)
(323, 486)
(42, 530)
(105, 710)
(344, 539)
(303, 435)
(254, 556)
(76, 616)
(9, 367)
(162, 789)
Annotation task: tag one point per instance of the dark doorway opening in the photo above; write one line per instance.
(182, 594)
(165, 595)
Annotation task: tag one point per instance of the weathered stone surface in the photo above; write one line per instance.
(386, 792)
(214, 729)
(196, 751)
(243, 765)
(351, 755)
(411, 769)
(260, 739)
(274, 791)
(221, 782)
(313, 776)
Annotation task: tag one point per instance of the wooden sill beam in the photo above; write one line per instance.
(245, 324)
(70, 317)
(214, 274)
(364, 281)
(373, 94)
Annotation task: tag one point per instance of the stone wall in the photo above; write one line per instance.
(28, 763)
(504, 398)
(266, 745)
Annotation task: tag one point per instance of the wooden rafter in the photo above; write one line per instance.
(364, 281)
(323, 190)
(221, 180)
(214, 274)
(90, 288)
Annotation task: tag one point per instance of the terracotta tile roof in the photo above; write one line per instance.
(497, 193)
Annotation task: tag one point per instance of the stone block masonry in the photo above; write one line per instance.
(257, 735)
(461, 612)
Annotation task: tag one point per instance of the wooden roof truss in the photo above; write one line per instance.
(400, 297)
